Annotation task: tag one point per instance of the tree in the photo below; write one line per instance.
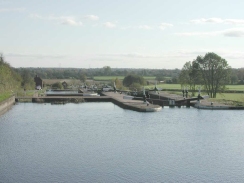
(160, 78)
(107, 70)
(82, 77)
(27, 80)
(57, 85)
(215, 73)
(234, 78)
(190, 76)
(118, 83)
(132, 79)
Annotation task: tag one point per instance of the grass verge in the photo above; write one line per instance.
(4, 96)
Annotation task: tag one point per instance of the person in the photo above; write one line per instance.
(186, 93)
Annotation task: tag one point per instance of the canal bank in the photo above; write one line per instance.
(6, 104)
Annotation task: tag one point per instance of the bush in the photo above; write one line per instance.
(57, 85)
(132, 79)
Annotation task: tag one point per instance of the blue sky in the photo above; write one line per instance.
(121, 34)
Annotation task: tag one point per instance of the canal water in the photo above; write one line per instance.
(100, 142)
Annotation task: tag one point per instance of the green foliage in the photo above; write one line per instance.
(58, 85)
(107, 70)
(4, 96)
(211, 71)
(160, 78)
(82, 77)
(118, 83)
(190, 76)
(215, 73)
(135, 86)
(234, 78)
(9, 79)
(132, 80)
(27, 81)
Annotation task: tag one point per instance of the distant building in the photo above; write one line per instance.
(39, 83)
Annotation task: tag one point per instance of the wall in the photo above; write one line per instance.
(6, 104)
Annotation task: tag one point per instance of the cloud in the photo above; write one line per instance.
(109, 25)
(235, 21)
(174, 54)
(139, 55)
(209, 20)
(218, 21)
(92, 17)
(145, 27)
(12, 9)
(71, 22)
(130, 55)
(65, 20)
(197, 34)
(36, 56)
(235, 32)
(165, 25)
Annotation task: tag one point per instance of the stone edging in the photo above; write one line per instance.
(6, 104)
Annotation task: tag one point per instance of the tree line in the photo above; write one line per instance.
(166, 75)
(211, 72)
(77, 73)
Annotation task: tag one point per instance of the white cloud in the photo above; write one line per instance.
(36, 56)
(218, 21)
(165, 25)
(238, 32)
(71, 22)
(109, 25)
(92, 17)
(132, 55)
(235, 21)
(65, 20)
(208, 20)
(235, 32)
(12, 9)
(51, 17)
(197, 34)
(145, 27)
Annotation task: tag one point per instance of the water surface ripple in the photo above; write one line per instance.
(100, 142)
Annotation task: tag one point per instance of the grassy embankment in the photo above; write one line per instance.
(20, 93)
(4, 96)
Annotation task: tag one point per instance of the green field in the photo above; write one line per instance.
(109, 78)
(235, 87)
(236, 99)
(231, 96)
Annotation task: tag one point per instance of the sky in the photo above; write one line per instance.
(156, 34)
